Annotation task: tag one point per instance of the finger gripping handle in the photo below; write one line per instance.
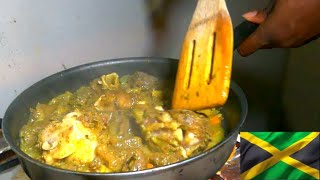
(242, 32)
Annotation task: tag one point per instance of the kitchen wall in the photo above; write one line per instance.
(39, 38)
(302, 88)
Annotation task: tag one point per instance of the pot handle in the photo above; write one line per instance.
(242, 31)
(8, 158)
(246, 28)
(4, 147)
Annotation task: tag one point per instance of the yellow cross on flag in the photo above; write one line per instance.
(279, 155)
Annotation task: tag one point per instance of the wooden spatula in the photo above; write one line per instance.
(204, 70)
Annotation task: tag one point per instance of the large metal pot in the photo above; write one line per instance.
(202, 166)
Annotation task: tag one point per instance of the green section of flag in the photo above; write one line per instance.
(283, 171)
(281, 140)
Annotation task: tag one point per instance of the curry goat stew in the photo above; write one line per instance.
(118, 125)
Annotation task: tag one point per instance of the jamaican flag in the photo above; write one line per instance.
(279, 155)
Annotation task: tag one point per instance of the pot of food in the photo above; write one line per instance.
(112, 120)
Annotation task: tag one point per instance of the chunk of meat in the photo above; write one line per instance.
(110, 81)
(124, 100)
(106, 102)
(114, 100)
(178, 131)
(143, 80)
(68, 139)
(123, 158)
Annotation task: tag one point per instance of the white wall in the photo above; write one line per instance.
(38, 38)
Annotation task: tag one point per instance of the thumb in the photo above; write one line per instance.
(258, 38)
(255, 16)
(255, 41)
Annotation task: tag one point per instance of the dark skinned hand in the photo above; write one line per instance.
(291, 23)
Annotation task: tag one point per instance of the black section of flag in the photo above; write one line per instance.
(250, 155)
(309, 155)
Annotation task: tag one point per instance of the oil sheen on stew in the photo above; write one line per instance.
(118, 125)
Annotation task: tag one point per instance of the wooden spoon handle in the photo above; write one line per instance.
(242, 32)
(246, 28)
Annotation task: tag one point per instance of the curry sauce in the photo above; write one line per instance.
(118, 125)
